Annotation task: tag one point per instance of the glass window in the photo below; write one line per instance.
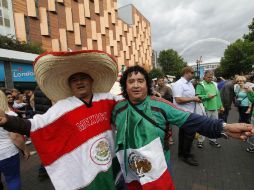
(49, 29)
(6, 22)
(27, 23)
(1, 17)
(37, 7)
(5, 4)
(1, 21)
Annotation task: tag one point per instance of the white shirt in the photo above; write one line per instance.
(7, 148)
(18, 105)
(184, 88)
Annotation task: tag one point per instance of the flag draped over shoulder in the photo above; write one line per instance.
(140, 153)
(76, 143)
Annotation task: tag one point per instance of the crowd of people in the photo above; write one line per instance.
(212, 97)
(24, 105)
(88, 138)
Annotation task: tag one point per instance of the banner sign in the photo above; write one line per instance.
(22, 72)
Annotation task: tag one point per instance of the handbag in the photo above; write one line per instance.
(238, 102)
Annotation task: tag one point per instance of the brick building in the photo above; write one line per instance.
(60, 25)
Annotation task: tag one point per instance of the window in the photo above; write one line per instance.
(37, 7)
(7, 22)
(48, 18)
(6, 18)
(27, 25)
(1, 17)
(5, 4)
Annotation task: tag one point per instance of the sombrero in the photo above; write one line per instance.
(52, 70)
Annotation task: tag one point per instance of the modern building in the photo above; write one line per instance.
(62, 25)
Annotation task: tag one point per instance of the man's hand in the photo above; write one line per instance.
(26, 153)
(3, 118)
(239, 130)
(155, 93)
(248, 110)
(196, 99)
(221, 110)
(211, 96)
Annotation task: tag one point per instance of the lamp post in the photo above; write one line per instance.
(199, 61)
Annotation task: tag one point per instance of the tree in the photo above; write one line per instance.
(238, 58)
(250, 36)
(9, 42)
(171, 62)
(218, 72)
(155, 73)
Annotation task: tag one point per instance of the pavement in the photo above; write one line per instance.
(227, 168)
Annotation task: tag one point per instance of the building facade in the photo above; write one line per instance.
(85, 24)
(62, 25)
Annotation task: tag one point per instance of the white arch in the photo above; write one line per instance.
(205, 40)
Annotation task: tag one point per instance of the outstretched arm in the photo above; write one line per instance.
(19, 141)
(214, 128)
(15, 124)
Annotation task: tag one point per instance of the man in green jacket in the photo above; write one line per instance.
(208, 92)
(250, 95)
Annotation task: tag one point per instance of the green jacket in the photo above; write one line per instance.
(204, 89)
(251, 99)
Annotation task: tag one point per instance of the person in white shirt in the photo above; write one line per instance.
(10, 143)
(184, 98)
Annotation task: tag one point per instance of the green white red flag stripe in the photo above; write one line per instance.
(145, 170)
(74, 142)
(81, 166)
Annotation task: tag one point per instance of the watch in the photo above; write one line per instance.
(223, 132)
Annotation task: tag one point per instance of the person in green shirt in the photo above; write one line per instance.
(250, 94)
(208, 92)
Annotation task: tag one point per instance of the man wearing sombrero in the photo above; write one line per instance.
(74, 138)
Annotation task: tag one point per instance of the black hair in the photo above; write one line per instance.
(135, 69)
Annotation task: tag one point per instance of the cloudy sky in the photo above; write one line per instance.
(195, 27)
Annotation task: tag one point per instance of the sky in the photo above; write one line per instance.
(195, 28)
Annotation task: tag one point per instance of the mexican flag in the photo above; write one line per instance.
(76, 143)
(140, 153)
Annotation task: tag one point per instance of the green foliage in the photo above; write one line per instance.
(218, 72)
(171, 62)
(155, 73)
(250, 35)
(9, 42)
(238, 58)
